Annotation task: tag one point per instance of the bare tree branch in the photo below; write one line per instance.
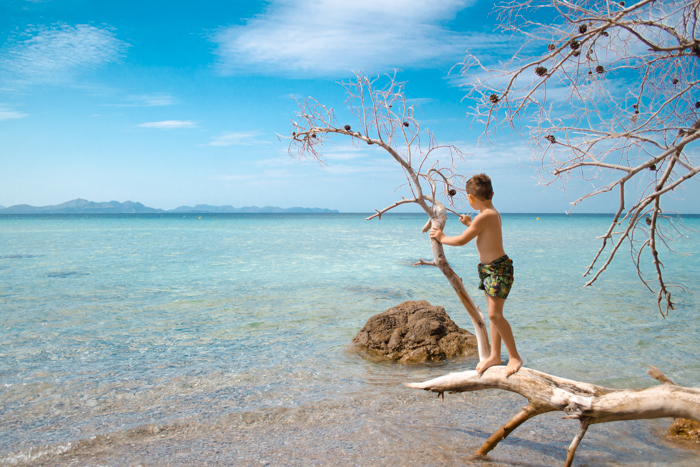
(396, 204)
(386, 121)
(609, 95)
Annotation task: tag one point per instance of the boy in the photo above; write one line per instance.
(495, 268)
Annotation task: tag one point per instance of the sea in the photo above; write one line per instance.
(225, 339)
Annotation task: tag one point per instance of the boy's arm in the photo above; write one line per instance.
(476, 226)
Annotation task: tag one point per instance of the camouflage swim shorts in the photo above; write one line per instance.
(496, 278)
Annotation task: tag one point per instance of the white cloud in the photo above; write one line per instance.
(237, 178)
(238, 139)
(8, 114)
(332, 154)
(372, 169)
(146, 100)
(57, 53)
(169, 124)
(330, 38)
(344, 155)
(264, 176)
(418, 101)
(502, 153)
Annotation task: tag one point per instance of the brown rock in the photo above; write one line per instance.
(684, 429)
(415, 332)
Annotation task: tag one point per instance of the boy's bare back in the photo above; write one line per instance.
(489, 238)
(486, 228)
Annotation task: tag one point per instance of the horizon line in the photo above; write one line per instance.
(169, 212)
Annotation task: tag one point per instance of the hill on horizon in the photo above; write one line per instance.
(82, 206)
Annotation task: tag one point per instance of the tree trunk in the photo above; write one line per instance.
(455, 281)
(588, 403)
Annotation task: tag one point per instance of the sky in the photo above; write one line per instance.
(181, 103)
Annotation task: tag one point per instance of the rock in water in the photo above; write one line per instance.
(415, 332)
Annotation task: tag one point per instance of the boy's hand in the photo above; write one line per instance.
(437, 234)
(466, 220)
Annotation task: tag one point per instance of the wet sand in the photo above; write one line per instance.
(382, 426)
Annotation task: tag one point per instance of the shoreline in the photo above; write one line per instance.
(395, 428)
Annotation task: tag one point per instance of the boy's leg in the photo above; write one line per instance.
(495, 307)
(495, 342)
(495, 357)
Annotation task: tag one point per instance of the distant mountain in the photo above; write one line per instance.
(81, 206)
(207, 209)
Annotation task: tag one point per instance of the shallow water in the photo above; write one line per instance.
(170, 340)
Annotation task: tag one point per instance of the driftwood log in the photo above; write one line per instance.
(587, 403)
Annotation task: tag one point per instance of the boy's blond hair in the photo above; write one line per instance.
(480, 187)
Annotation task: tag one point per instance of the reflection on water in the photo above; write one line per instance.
(164, 341)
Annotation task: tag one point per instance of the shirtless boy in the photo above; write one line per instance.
(495, 268)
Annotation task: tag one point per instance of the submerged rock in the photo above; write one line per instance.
(415, 332)
(684, 429)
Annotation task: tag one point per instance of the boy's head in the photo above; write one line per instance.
(479, 186)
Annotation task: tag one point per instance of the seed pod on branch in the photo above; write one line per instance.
(494, 98)
(540, 71)
(452, 192)
(657, 51)
(405, 124)
(347, 127)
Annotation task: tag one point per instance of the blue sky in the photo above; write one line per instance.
(179, 103)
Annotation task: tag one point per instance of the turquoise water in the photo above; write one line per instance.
(241, 324)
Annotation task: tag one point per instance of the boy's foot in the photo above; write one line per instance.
(513, 366)
(489, 362)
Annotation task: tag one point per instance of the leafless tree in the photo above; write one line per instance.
(386, 121)
(609, 95)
